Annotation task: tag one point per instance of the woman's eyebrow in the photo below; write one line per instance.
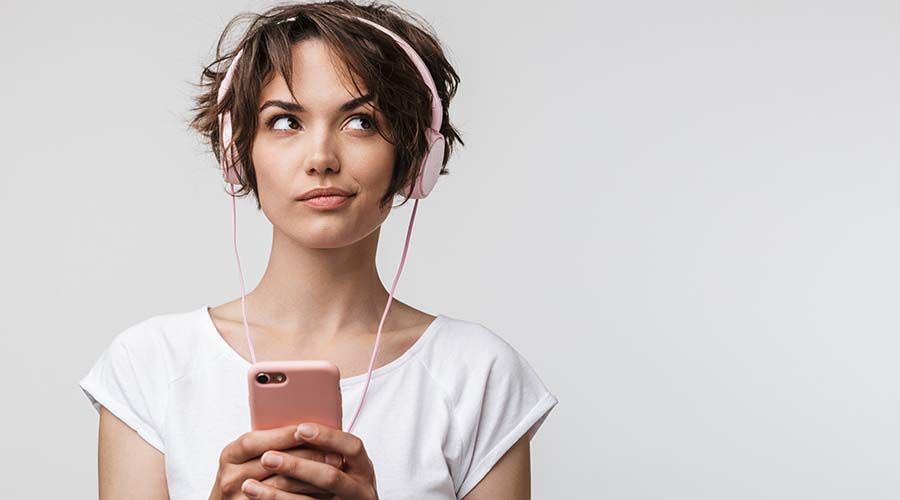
(298, 108)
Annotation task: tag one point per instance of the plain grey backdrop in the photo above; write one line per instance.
(683, 214)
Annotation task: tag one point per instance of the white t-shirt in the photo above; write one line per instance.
(434, 423)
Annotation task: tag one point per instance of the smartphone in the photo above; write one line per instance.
(292, 392)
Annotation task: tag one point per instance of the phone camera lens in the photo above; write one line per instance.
(262, 378)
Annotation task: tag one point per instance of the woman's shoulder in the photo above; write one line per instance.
(495, 395)
(462, 336)
(465, 353)
(174, 339)
(131, 377)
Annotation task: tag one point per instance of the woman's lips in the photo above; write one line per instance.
(328, 202)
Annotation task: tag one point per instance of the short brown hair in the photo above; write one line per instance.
(367, 53)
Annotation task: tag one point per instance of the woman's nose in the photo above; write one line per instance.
(322, 156)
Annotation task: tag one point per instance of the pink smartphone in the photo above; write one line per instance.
(292, 392)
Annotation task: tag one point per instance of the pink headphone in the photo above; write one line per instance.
(427, 176)
(431, 163)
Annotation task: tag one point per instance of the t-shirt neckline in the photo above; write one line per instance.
(423, 339)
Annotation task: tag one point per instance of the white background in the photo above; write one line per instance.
(683, 214)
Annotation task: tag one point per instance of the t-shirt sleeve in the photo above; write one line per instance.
(502, 400)
(130, 380)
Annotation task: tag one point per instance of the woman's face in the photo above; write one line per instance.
(320, 145)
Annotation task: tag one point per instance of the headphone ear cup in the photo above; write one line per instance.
(430, 169)
(231, 170)
(230, 164)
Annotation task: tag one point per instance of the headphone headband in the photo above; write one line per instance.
(436, 109)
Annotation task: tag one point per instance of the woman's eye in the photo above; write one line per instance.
(365, 120)
(273, 123)
(289, 122)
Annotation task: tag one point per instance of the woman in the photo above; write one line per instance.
(319, 97)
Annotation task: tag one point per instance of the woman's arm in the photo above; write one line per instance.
(510, 478)
(127, 465)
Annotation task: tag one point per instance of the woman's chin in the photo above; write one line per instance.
(327, 236)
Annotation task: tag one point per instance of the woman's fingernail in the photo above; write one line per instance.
(334, 460)
(251, 489)
(307, 430)
(271, 459)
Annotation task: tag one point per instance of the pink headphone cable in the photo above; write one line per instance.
(383, 316)
(428, 173)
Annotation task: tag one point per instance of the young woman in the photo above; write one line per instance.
(321, 95)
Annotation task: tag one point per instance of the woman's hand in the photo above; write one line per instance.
(240, 460)
(354, 481)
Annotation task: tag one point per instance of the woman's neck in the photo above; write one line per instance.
(321, 293)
